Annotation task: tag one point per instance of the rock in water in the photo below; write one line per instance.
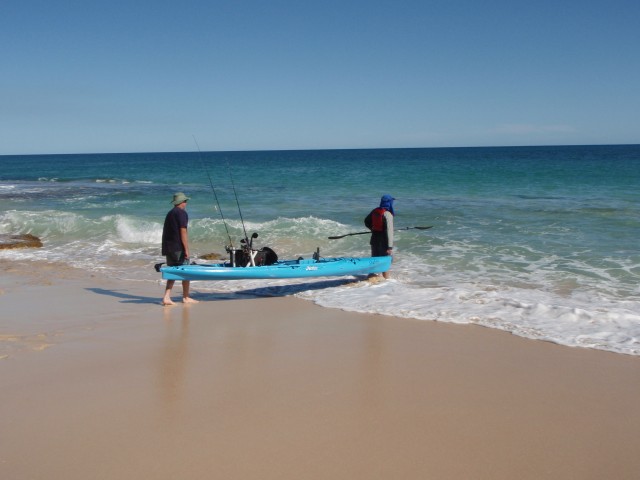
(19, 241)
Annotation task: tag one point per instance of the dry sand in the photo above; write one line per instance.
(98, 381)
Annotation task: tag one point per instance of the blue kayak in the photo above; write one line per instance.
(301, 268)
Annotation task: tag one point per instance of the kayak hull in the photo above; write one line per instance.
(302, 268)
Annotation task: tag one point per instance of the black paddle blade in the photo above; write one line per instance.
(348, 235)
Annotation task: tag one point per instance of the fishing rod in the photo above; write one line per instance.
(246, 238)
(214, 191)
(369, 231)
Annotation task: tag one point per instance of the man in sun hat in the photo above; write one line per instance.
(175, 244)
(380, 222)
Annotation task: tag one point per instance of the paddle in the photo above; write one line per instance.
(369, 231)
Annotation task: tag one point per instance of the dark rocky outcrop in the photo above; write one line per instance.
(19, 241)
(211, 256)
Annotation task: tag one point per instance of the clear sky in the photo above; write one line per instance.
(90, 76)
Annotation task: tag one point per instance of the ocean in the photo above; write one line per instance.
(541, 242)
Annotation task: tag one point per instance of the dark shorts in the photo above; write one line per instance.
(379, 246)
(175, 258)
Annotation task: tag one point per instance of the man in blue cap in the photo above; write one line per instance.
(380, 222)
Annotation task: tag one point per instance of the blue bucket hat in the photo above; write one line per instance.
(387, 202)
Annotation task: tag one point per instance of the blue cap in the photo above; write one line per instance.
(387, 202)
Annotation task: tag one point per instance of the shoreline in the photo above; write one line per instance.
(100, 380)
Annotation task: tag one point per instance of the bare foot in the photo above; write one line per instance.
(167, 303)
(189, 300)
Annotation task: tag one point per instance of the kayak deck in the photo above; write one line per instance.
(301, 268)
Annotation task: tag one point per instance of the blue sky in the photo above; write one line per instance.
(140, 75)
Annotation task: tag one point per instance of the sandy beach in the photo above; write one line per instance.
(97, 380)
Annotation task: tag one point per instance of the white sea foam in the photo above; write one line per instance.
(577, 319)
(530, 313)
(131, 230)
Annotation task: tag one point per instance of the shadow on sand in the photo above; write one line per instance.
(247, 294)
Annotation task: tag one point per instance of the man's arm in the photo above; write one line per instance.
(184, 237)
(389, 221)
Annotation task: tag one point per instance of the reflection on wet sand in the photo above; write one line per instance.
(173, 358)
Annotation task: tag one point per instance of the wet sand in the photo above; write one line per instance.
(97, 380)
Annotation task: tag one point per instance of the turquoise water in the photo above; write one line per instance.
(538, 241)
